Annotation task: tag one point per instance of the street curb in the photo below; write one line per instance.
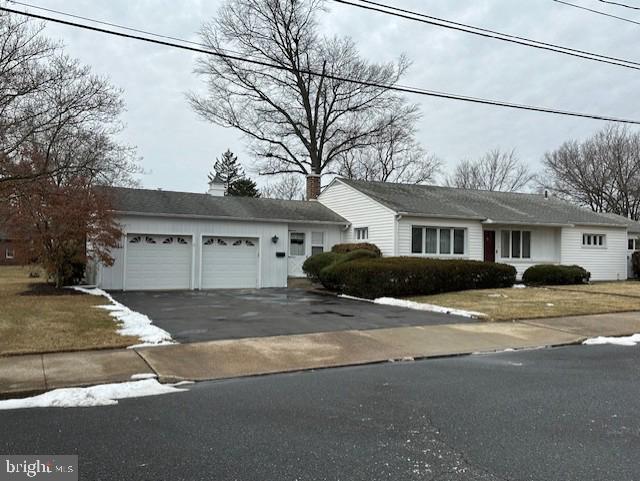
(577, 342)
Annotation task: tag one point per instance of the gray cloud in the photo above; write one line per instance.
(178, 149)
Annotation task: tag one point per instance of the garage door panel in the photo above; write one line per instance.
(158, 262)
(229, 262)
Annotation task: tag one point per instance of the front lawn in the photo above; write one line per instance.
(534, 302)
(621, 288)
(34, 317)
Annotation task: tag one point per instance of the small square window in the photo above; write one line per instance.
(361, 233)
(9, 253)
(296, 244)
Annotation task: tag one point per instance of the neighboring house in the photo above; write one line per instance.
(443, 222)
(176, 240)
(633, 239)
(7, 250)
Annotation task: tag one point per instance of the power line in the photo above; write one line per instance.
(122, 27)
(620, 4)
(596, 11)
(483, 32)
(394, 87)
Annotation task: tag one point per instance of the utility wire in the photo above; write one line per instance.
(119, 26)
(394, 87)
(596, 11)
(620, 4)
(483, 32)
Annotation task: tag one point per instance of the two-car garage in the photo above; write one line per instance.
(167, 262)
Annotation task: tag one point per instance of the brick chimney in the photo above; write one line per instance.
(313, 186)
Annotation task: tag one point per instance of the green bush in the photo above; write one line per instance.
(411, 276)
(635, 264)
(314, 264)
(346, 248)
(555, 275)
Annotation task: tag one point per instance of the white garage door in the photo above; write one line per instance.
(229, 262)
(158, 262)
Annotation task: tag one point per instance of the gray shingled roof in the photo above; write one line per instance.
(186, 204)
(497, 207)
(632, 226)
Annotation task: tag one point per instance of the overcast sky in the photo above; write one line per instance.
(178, 149)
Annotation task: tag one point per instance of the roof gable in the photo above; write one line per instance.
(481, 205)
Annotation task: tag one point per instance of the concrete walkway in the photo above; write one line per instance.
(21, 375)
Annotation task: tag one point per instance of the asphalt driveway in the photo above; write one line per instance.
(194, 316)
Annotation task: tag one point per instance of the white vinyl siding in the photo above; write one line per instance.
(431, 237)
(606, 262)
(273, 270)
(361, 211)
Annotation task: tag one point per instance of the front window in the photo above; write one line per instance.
(9, 253)
(317, 242)
(361, 233)
(437, 240)
(594, 240)
(296, 244)
(515, 244)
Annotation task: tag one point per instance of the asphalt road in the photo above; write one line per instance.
(212, 315)
(556, 414)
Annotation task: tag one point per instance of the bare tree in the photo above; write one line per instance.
(602, 172)
(393, 156)
(301, 116)
(54, 109)
(288, 187)
(494, 171)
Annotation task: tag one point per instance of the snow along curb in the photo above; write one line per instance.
(101, 395)
(418, 306)
(618, 341)
(133, 323)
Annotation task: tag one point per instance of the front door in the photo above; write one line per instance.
(489, 246)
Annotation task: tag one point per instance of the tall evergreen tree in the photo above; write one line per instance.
(244, 187)
(227, 169)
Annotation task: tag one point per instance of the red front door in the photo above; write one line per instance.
(489, 246)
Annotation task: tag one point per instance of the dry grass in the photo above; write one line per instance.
(621, 288)
(37, 318)
(530, 303)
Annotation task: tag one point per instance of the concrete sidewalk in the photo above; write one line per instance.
(21, 375)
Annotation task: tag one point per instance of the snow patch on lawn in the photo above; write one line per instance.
(518, 286)
(103, 395)
(618, 341)
(420, 306)
(133, 323)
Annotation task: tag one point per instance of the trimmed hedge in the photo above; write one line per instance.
(555, 275)
(346, 248)
(314, 265)
(410, 276)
